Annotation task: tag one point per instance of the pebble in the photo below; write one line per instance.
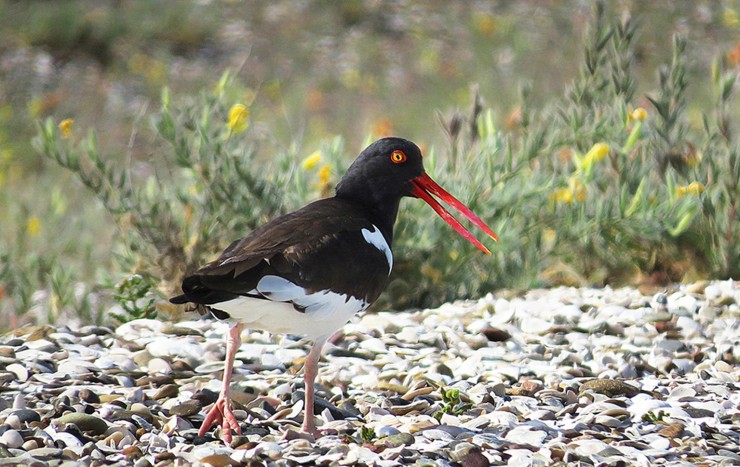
(395, 440)
(84, 422)
(559, 376)
(11, 439)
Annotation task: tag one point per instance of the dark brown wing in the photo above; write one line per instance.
(319, 247)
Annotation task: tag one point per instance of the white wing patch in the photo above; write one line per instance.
(323, 313)
(376, 239)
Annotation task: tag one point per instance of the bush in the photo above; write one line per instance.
(209, 188)
(591, 190)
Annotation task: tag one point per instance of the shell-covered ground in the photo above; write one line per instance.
(559, 376)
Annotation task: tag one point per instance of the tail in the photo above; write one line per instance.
(195, 291)
(180, 299)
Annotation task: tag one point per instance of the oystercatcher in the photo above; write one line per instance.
(308, 272)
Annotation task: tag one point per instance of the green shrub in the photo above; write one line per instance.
(209, 188)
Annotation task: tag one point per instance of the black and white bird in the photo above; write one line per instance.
(308, 272)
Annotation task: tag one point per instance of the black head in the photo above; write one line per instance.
(383, 172)
(390, 169)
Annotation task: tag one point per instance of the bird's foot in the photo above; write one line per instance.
(221, 413)
(310, 429)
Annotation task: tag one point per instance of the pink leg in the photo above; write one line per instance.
(311, 369)
(221, 410)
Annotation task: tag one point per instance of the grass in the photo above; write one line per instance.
(625, 173)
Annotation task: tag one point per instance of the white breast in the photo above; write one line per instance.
(376, 239)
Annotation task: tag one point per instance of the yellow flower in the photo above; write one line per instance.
(238, 118)
(577, 188)
(638, 114)
(324, 179)
(575, 191)
(730, 17)
(33, 226)
(325, 174)
(484, 23)
(311, 161)
(693, 188)
(65, 126)
(562, 195)
(597, 152)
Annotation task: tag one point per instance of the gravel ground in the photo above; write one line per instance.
(559, 376)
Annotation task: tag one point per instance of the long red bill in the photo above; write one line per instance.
(425, 187)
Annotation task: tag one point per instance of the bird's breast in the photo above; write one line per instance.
(375, 238)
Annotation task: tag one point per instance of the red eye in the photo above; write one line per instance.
(398, 157)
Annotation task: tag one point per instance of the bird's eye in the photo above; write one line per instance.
(398, 157)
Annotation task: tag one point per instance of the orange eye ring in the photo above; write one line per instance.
(398, 157)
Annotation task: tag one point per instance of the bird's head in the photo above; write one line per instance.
(391, 168)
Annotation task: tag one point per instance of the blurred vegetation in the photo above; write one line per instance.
(599, 143)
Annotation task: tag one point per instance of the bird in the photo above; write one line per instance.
(307, 273)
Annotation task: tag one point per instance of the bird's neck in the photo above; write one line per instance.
(382, 213)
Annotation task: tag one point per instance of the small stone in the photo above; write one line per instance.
(696, 412)
(495, 334)
(534, 325)
(385, 431)
(518, 392)
(270, 449)
(589, 447)
(167, 391)
(723, 366)
(159, 366)
(181, 366)
(416, 406)
(30, 444)
(394, 441)
(610, 387)
(175, 330)
(444, 370)
(662, 444)
(24, 416)
(186, 409)
(20, 371)
(88, 396)
(498, 390)
(469, 455)
(682, 391)
(67, 439)
(19, 402)
(607, 421)
(674, 430)
(11, 439)
(85, 422)
(133, 452)
(532, 387)
(525, 435)
(45, 454)
(164, 456)
(697, 287)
